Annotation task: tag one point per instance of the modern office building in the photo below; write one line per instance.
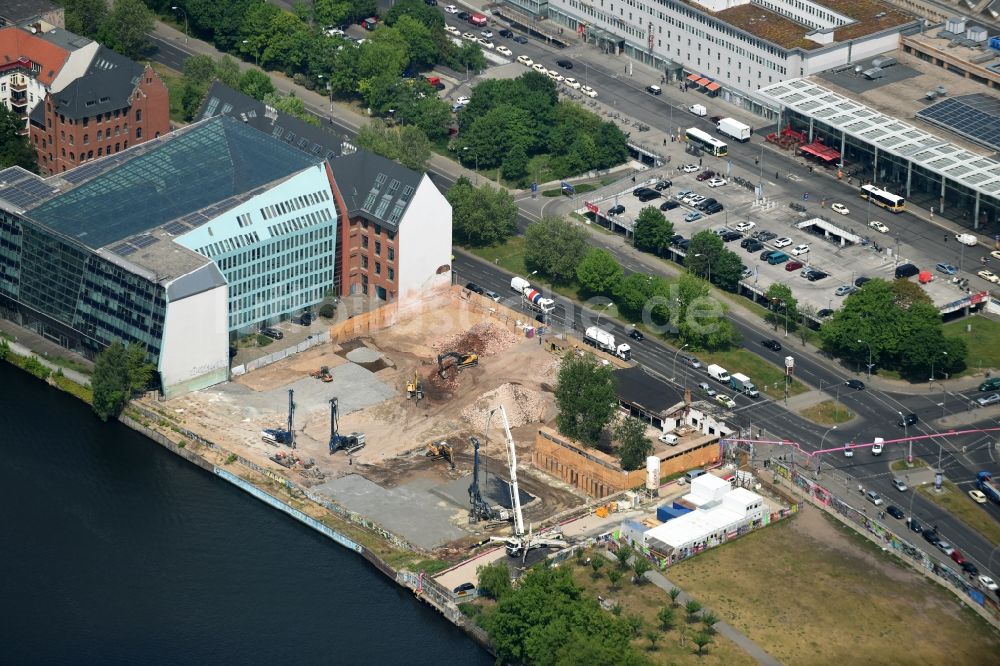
(931, 172)
(394, 241)
(181, 244)
(732, 47)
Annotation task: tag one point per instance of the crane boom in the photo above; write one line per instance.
(515, 495)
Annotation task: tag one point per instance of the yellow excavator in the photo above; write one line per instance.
(449, 360)
(441, 450)
(415, 388)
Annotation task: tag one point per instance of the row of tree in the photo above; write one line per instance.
(120, 25)
(510, 121)
(15, 150)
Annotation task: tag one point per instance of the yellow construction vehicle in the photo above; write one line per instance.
(415, 388)
(322, 374)
(449, 360)
(441, 450)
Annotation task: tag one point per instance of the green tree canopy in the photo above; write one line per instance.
(779, 297)
(554, 247)
(653, 231)
(599, 273)
(256, 84)
(585, 395)
(85, 17)
(14, 147)
(727, 269)
(406, 144)
(481, 215)
(494, 580)
(703, 253)
(119, 372)
(127, 27)
(702, 319)
(633, 445)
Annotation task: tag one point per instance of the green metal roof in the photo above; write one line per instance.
(181, 173)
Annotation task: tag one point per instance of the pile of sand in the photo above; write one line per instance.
(484, 339)
(523, 406)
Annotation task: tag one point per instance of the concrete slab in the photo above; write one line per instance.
(859, 85)
(494, 489)
(409, 511)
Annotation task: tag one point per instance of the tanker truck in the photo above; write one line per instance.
(605, 341)
(531, 296)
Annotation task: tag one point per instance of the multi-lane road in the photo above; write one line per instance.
(876, 411)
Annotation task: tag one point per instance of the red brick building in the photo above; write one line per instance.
(115, 104)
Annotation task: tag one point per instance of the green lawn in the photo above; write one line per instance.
(768, 377)
(983, 341)
(957, 502)
(828, 413)
(510, 257)
(175, 89)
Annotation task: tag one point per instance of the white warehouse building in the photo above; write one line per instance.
(732, 47)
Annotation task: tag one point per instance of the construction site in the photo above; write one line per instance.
(390, 420)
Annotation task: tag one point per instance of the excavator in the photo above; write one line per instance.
(441, 450)
(451, 359)
(322, 374)
(415, 388)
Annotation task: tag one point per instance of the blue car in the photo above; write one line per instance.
(947, 269)
(692, 216)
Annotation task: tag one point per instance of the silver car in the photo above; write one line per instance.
(991, 399)
(708, 390)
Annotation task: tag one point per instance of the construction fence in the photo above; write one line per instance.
(274, 357)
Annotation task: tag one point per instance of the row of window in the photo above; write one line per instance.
(391, 251)
(229, 244)
(288, 304)
(276, 275)
(276, 247)
(98, 118)
(300, 223)
(294, 204)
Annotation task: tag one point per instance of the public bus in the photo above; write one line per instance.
(707, 143)
(886, 200)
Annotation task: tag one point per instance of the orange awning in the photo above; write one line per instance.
(693, 77)
(703, 82)
(713, 86)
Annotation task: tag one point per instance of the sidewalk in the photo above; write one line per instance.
(28, 343)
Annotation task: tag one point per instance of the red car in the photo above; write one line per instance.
(957, 556)
(793, 266)
(705, 175)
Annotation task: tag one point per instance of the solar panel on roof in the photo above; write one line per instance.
(123, 249)
(176, 228)
(976, 117)
(144, 241)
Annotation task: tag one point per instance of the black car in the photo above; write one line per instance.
(303, 319)
(915, 525)
(509, 34)
(824, 313)
(754, 245)
(702, 205)
(636, 335)
(856, 384)
(861, 280)
(654, 90)
(675, 239)
(662, 185)
(907, 420)
(616, 210)
(970, 568)
(906, 271)
(669, 204)
(894, 511)
(273, 333)
(472, 286)
(764, 236)
(464, 587)
(463, 16)
(649, 195)
(713, 208)
(684, 244)
(747, 241)
(931, 537)
(817, 275)
(766, 254)
(565, 64)
(730, 236)
(773, 345)
(520, 39)
(637, 192)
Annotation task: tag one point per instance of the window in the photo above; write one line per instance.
(364, 261)
(138, 132)
(392, 253)
(392, 273)
(138, 115)
(86, 139)
(378, 268)
(364, 241)
(378, 248)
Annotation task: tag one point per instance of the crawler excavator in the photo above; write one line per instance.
(415, 388)
(451, 359)
(441, 450)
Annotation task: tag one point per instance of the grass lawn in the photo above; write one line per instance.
(768, 377)
(175, 89)
(958, 503)
(810, 591)
(646, 600)
(983, 341)
(901, 466)
(828, 413)
(510, 257)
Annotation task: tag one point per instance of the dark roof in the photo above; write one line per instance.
(221, 100)
(637, 387)
(18, 11)
(169, 177)
(372, 186)
(107, 85)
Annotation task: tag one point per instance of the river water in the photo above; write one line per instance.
(116, 551)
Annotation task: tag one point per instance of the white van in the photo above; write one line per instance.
(877, 446)
(698, 110)
(669, 438)
(693, 474)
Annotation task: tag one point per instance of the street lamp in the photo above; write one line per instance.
(255, 62)
(869, 358)
(673, 371)
(929, 381)
(909, 442)
(475, 155)
(709, 266)
(181, 9)
(818, 460)
(606, 306)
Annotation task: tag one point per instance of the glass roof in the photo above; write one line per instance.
(199, 166)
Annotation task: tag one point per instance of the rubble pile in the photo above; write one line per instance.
(523, 406)
(484, 339)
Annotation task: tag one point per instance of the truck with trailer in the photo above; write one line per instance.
(531, 296)
(986, 485)
(718, 373)
(742, 383)
(734, 129)
(605, 341)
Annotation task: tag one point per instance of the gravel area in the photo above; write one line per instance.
(523, 406)
(484, 339)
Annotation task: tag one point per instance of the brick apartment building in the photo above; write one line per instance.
(115, 104)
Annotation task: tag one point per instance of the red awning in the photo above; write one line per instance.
(693, 77)
(703, 82)
(820, 151)
(713, 86)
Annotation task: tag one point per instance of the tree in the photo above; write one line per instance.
(727, 270)
(414, 148)
(701, 640)
(481, 215)
(908, 293)
(515, 164)
(633, 293)
(692, 607)
(635, 623)
(674, 593)
(703, 253)
(702, 321)
(4, 349)
(640, 565)
(614, 575)
(119, 371)
(14, 147)
(494, 580)
(652, 636)
(554, 247)
(127, 27)
(666, 618)
(633, 445)
(199, 70)
(709, 620)
(599, 272)
(586, 398)
(653, 231)
(782, 305)
(624, 553)
(85, 17)
(596, 564)
(227, 70)
(256, 84)
(415, 10)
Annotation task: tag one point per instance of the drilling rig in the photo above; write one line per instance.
(347, 443)
(279, 436)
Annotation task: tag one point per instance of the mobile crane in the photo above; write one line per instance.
(279, 436)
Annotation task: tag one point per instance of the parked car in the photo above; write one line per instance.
(753, 245)
(845, 290)
(708, 390)
(451, 9)
(894, 511)
(987, 400)
(856, 384)
(817, 275)
(956, 555)
(713, 208)
(692, 216)
(764, 236)
(915, 525)
(662, 185)
(931, 537)
(859, 282)
(503, 50)
(730, 236)
(472, 286)
(486, 33)
(273, 333)
(508, 34)
(988, 583)
(716, 182)
(945, 547)
(782, 242)
(773, 345)
(793, 266)
(705, 175)
(587, 90)
(802, 248)
(839, 208)
(745, 226)
(654, 90)
(525, 60)
(464, 587)
(679, 195)
(873, 497)
(970, 568)
(947, 269)
(977, 496)
(824, 313)
(669, 204)
(878, 226)
(616, 210)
